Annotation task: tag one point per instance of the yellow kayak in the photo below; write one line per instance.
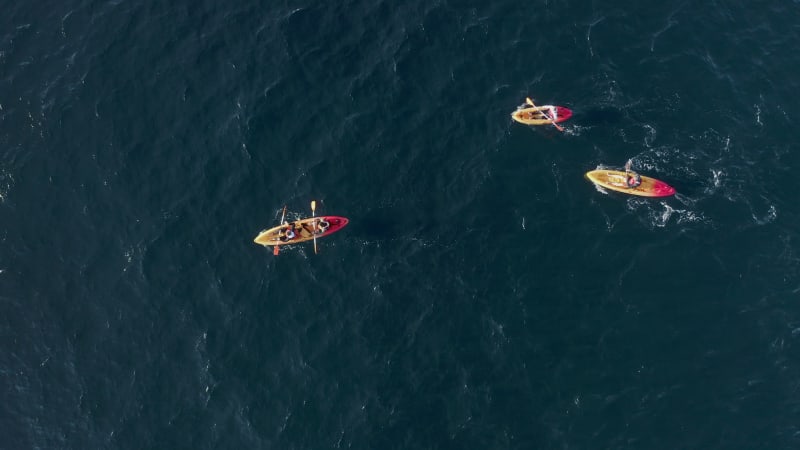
(541, 115)
(301, 230)
(620, 181)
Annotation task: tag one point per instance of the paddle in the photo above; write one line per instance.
(313, 213)
(276, 249)
(558, 127)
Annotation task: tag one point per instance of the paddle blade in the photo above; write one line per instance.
(529, 101)
(276, 250)
(313, 206)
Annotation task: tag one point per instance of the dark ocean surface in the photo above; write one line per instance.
(484, 296)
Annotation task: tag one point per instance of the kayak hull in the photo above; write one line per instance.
(303, 229)
(536, 115)
(616, 180)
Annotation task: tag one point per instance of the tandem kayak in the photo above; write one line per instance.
(301, 230)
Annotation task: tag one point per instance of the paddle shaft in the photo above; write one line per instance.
(313, 214)
(276, 249)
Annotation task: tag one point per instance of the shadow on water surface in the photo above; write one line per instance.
(598, 116)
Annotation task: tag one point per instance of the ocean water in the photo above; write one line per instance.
(485, 294)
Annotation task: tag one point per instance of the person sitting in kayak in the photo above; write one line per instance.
(553, 113)
(540, 114)
(288, 233)
(632, 179)
(322, 226)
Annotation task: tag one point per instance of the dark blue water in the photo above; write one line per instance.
(485, 294)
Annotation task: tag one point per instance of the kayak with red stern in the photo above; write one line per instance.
(542, 115)
(620, 181)
(301, 230)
